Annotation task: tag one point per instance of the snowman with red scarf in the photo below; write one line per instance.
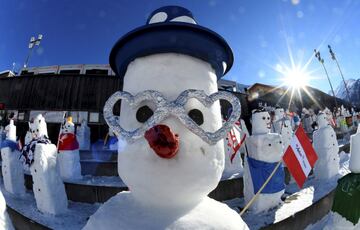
(69, 156)
(171, 122)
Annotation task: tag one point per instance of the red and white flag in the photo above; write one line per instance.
(300, 156)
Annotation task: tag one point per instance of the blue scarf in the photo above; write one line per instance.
(260, 171)
(11, 144)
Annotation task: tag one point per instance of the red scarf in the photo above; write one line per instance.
(67, 141)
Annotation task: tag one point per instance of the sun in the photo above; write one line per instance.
(295, 78)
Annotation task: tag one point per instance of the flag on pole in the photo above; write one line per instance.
(300, 156)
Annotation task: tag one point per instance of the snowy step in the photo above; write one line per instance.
(99, 168)
(24, 213)
(92, 189)
(99, 155)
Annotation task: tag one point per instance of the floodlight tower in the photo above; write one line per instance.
(321, 60)
(33, 42)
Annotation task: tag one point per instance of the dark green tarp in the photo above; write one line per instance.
(347, 197)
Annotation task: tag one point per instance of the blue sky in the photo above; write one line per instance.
(262, 34)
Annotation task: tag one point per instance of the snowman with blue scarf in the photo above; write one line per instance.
(170, 121)
(265, 150)
(12, 169)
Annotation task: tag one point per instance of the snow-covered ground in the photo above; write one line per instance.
(74, 218)
(313, 190)
(328, 223)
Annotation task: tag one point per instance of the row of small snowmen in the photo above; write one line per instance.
(266, 146)
(49, 164)
(341, 119)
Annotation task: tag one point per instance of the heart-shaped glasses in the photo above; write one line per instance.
(176, 108)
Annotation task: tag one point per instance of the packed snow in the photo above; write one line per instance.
(74, 218)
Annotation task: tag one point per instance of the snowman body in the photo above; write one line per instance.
(171, 191)
(326, 147)
(83, 136)
(5, 221)
(12, 169)
(265, 150)
(233, 161)
(49, 190)
(69, 156)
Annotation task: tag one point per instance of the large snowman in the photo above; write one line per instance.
(265, 150)
(40, 155)
(69, 156)
(169, 163)
(282, 126)
(326, 147)
(12, 169)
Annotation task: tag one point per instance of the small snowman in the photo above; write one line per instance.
(28, 135)
(282, 126)
(69, 156)
(265, 151)
(12, 169)
(345, 212)
(83, 135)
(326, 147)
(40, 155)
(169, 162)
(112, 141)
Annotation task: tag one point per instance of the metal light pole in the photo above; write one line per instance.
(317, 55)
(33, 42)
(342, 76)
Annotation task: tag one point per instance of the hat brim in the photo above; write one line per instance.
(172, 37)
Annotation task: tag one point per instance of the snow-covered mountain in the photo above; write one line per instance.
(354, 90)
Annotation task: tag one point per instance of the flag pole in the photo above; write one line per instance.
(321, 60)
(262, 188)
(342, 75)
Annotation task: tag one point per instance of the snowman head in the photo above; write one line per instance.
(10, 131)
(261, 122)
(279, 112)
(68, 127)
(170, 165)
(38, 127)
(322, 120)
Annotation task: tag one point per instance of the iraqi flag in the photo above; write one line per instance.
(300, 156)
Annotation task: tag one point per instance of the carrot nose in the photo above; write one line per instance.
(163, 141)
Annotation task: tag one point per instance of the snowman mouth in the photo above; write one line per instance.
(163, 141)
(268, 125)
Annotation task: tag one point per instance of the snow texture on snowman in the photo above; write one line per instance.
(345, 212)
(326, 147)
(265, 150)
(12, 169)
(282, 126)
(169, 163)
(40, 155)
(69, 156)
(5, 221)
(83, 136)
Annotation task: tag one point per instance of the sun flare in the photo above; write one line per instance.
(295, 78)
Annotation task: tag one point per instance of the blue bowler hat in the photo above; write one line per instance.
(172, 29)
